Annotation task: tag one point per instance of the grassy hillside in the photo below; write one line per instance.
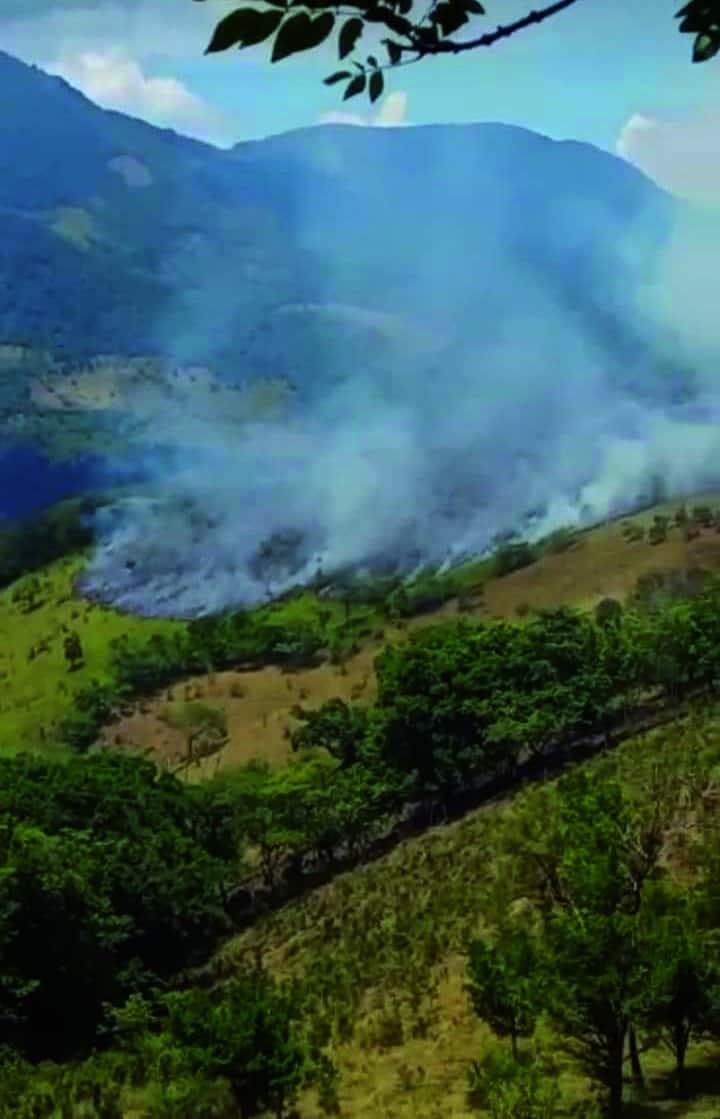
(38, 686)
(37, 683)
(258, 704)
(384, 947)
(380, 953)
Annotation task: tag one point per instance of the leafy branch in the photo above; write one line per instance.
(301, 25)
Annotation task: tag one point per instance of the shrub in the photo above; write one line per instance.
(512, 557)
(561, 540)
(508, 1089)
(633, 533)
(704, 516)
(608, 612)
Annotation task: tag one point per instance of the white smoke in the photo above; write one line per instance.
(430, 458)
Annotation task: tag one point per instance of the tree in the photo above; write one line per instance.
(248, 1032)
(505, 1088)
(293, 28)
(72, 647)
(684, 976)
(111, 879)
(608, 612)
(337, 727)
(503, 982)
(585, 855)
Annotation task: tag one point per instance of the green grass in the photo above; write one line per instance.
(36, 693)
(383, 950)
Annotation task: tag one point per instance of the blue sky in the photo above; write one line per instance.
(611, 72)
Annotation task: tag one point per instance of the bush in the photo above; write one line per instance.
(561, 540)
(608, 612)
(704, 516)
(247, 1033)
(32, 544)
(512, 557)
(112, 882)
(508, 1089)
(672, 584)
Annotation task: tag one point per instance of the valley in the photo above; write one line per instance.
(359, 619)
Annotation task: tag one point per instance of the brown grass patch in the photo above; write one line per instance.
(602, 564)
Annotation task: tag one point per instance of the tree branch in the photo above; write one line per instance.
(447, 46)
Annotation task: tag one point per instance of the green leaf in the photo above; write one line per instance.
(449, 17)
(349, 35)
(377, 85)
(394, 52)
(474, 7)
(357, 85)
(373, 61)
(391, 20)
(428, 36)
(300, 33)
(336, 77)
(705, 47)
(243, 28)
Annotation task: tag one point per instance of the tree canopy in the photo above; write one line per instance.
(301, 25)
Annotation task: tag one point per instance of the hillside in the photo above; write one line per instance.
(147, 279)
(385, 948)
(378, 955)
(257, 703)
(285, 828)
(207, 329)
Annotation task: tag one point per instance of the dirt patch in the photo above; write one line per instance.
(258, 703)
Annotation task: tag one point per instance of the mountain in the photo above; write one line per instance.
(443, 330)
(118, 237)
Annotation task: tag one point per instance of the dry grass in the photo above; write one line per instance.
(601, 564)
(383, 948)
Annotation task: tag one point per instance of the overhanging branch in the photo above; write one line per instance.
(448, 46)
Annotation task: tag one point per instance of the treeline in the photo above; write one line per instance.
(27, 546)
(333, 629)
(601, 911)
(459, 705)
(462, 708)
(140, 666)
(112, 879)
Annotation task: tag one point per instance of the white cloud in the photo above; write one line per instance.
(683, 156)
(52, 27)
(392, 114)
(115, 80)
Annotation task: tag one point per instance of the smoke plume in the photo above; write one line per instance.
(499, 401)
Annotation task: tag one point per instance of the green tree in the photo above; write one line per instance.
(608, 612)
(683, 984)
(249, 1032)
(585, 854)
(73, 650)
(413, 36)
(337, 727)
(112, 878)
(505, 1088)
(59, 941)
(503, 978)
